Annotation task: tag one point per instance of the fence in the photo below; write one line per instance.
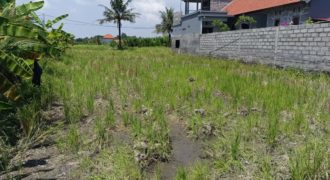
(305, 46)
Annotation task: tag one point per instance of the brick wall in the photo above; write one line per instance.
(305, 46)
(218, 5)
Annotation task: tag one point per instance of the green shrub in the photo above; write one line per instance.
(220, 25)
(113, 44)
(309, 21)
(132, 41)
(245, 20)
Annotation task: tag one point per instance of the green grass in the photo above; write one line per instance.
(261, 114)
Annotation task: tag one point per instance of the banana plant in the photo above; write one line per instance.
(14, 25)
(24, 39)
(56, 36)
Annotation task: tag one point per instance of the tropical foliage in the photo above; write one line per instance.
(133, 41)
(117, 13)
(309, 21)
(165, 26)
(245, 20)
(24, 38)
(220, 25)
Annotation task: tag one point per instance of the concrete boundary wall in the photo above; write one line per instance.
(305, 46)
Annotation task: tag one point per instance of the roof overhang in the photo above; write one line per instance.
(237, 7)
(207, 13)
(204, 14)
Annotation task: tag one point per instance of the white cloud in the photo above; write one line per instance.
(149, 9)
(90, 2)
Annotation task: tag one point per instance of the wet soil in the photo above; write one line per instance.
(185, 151)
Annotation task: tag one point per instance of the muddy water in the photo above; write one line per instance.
(185, 151)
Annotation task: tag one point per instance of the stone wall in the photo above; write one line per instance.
(305, 46)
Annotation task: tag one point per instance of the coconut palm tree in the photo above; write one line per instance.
(165, 26)
(117, 13)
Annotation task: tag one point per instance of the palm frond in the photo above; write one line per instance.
(167, 21)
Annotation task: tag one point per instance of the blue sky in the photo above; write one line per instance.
(90, 11)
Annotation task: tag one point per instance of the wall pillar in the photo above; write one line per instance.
(187, 7)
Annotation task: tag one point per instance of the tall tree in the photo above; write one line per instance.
(165, 26)
(117, 13)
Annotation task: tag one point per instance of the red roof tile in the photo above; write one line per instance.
(108, 36)
(244, 6)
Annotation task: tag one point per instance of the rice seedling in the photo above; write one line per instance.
(235, 146)
(181, 174)
(70, 142)
(266, 169)
(272, 131)
(101, 131)
(309, 162)
(199, 171)
(29, 117)
(110, 117)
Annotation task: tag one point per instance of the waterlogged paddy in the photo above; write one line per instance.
(123, 108)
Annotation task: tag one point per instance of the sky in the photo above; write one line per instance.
(89, 11)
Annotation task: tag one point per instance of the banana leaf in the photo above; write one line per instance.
(22, 30)
(26, 9)
(8, 88)
(19, 46)
(7, 29)
(50, 23)
(5, 106)
(36, 19)
(10, 11)
(3, 3)
(15, 65)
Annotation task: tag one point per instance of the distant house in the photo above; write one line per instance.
(267, 13)
(270, 13)
(108, 38)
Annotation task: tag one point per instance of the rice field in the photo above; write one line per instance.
(148, 113)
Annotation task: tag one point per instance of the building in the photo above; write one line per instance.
(270, 13)
(199, 20)
(267, 13)
(108, 38)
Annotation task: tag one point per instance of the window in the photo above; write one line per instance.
(207, 30)
(277, 22)
(206, 5)
(177, 44)
(295, 20)
(207, 23)
(245, 26)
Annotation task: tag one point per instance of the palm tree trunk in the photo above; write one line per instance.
(119, 30)
(169, 39)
